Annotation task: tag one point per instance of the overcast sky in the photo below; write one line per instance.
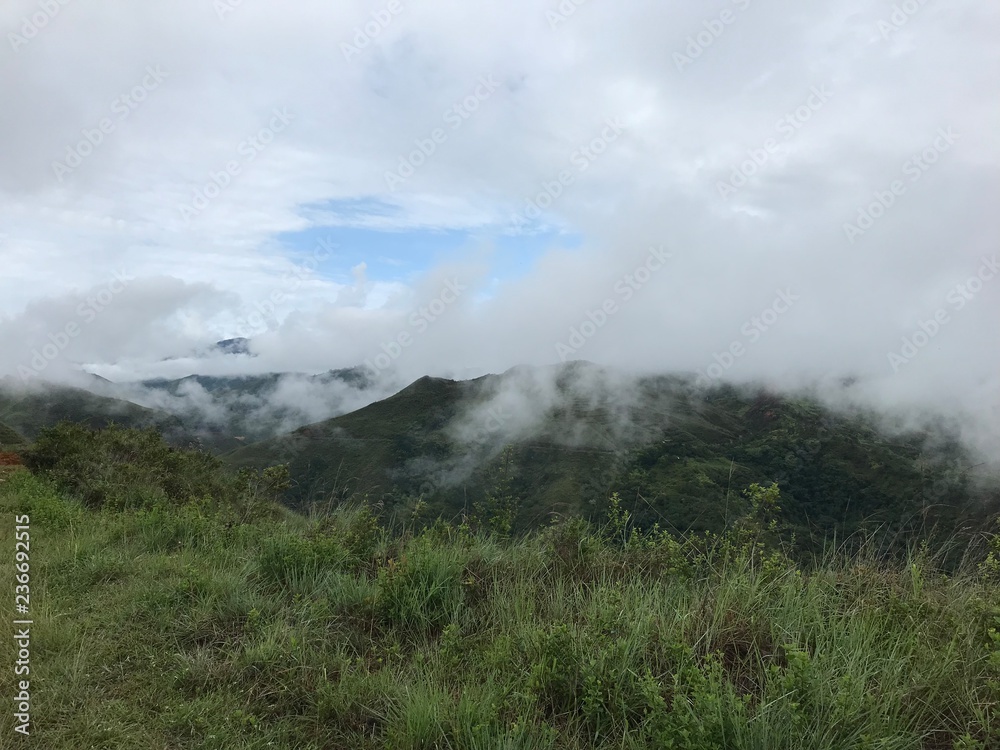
(740, 189)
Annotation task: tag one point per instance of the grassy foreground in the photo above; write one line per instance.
(180, 628)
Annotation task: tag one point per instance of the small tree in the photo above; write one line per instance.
(764, 507)
(499, 507)
(757, 531)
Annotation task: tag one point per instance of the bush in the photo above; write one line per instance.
(290, 560)
(572, 545)
(356, 526)
(169, 530)
(423, 589)
(125, 468)
(41, 500)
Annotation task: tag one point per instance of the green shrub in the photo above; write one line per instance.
(125, 468)
(291, 560)
(423, 589)
(356, 527)
(572, 545)
(600, 677)
(41, 500)
(169, 530)
(356, 702)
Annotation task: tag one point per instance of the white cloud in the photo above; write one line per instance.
(657, 184)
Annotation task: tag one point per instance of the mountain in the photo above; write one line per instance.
(561, 439)
(28, 410)
(234, 346)
(258, 385)
(228, 411)
(837, 470)
(367, 448)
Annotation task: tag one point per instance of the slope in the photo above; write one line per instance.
(675, 453)
(29, 410)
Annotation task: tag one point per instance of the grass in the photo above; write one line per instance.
(182, 629)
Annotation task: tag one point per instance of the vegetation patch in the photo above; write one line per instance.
(189, 624)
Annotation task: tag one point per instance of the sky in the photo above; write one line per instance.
(746, 191)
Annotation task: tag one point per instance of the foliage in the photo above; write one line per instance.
(10, 438)
(499, 507)
(30, 410)
(678, 460)
(422, 590)
(168, 624)
(123, 468)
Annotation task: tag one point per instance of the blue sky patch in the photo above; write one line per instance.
(402, 255)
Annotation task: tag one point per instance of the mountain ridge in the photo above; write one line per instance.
(674, 450)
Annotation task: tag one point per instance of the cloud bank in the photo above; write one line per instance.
(793, 195)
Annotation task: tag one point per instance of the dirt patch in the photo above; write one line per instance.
(9, 458)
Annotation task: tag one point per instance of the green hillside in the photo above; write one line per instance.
(557, 441)
(403, 447)
(674, 454)
(29, 411)
(363, 450)
(836, 471)
(175, 606)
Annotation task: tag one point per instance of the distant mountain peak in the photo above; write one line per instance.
(234, 346)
